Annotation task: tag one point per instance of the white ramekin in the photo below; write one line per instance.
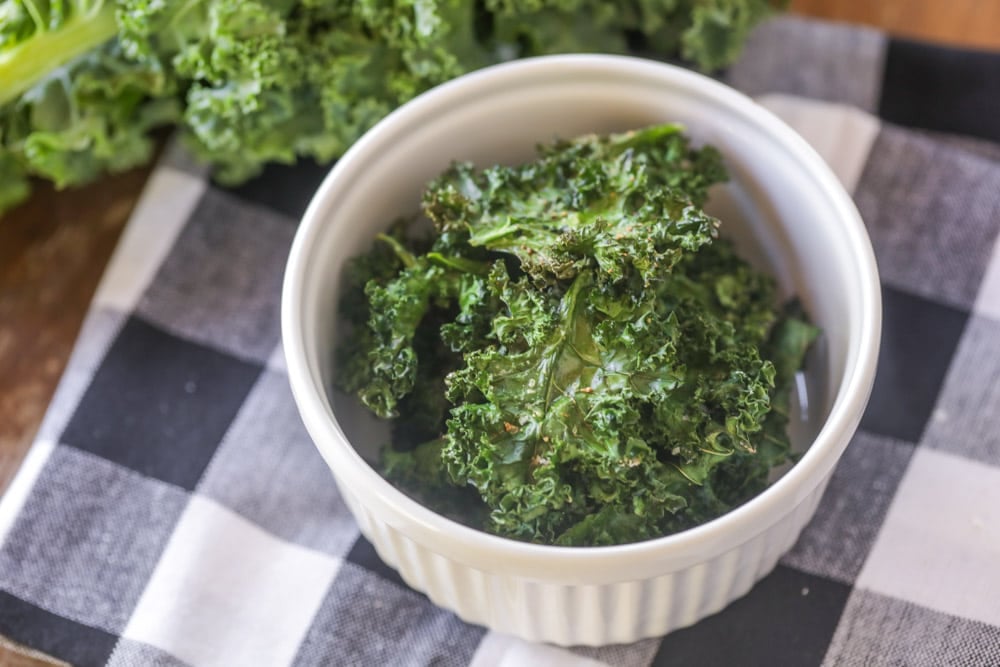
(783, 202)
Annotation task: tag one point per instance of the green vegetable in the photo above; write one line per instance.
(575, 345)
(82, 82)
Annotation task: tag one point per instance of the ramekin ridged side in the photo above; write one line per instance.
(584, 614)
(811, 233)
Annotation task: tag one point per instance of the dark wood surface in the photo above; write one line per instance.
(969, 23)
(53, 249)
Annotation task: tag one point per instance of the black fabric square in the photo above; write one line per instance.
(364, 555)
(59, 637)
(787, 619)
(284, 188)
(940, 88)
(919, 337)
(159, 404)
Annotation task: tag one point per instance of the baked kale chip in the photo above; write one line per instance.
(575, 357)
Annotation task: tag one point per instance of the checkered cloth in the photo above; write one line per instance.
(174, 512)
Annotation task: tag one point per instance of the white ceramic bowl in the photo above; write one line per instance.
(783, 205)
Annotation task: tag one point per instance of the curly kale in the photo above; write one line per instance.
(575, 357)
(83, 82)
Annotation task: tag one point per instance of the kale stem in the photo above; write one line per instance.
(404, 255)
(460, 264)
(28, 62)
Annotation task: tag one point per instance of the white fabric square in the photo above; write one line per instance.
(940, 544)
(276, 362)
(841, 134)
(498, 650)
(988, 298)
(226, 592)
(158, 218)
(20, 487)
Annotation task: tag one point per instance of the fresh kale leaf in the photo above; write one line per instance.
(576, 345)
(83, 82)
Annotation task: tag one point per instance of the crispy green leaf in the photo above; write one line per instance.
(579, 347)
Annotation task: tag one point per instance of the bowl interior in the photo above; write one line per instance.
(769, 208)
(782, 207)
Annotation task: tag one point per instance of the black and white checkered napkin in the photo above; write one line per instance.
(173, 510)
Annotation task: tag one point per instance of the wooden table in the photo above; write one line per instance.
(53, 249)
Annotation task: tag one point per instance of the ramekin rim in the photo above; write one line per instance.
(760, 511)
